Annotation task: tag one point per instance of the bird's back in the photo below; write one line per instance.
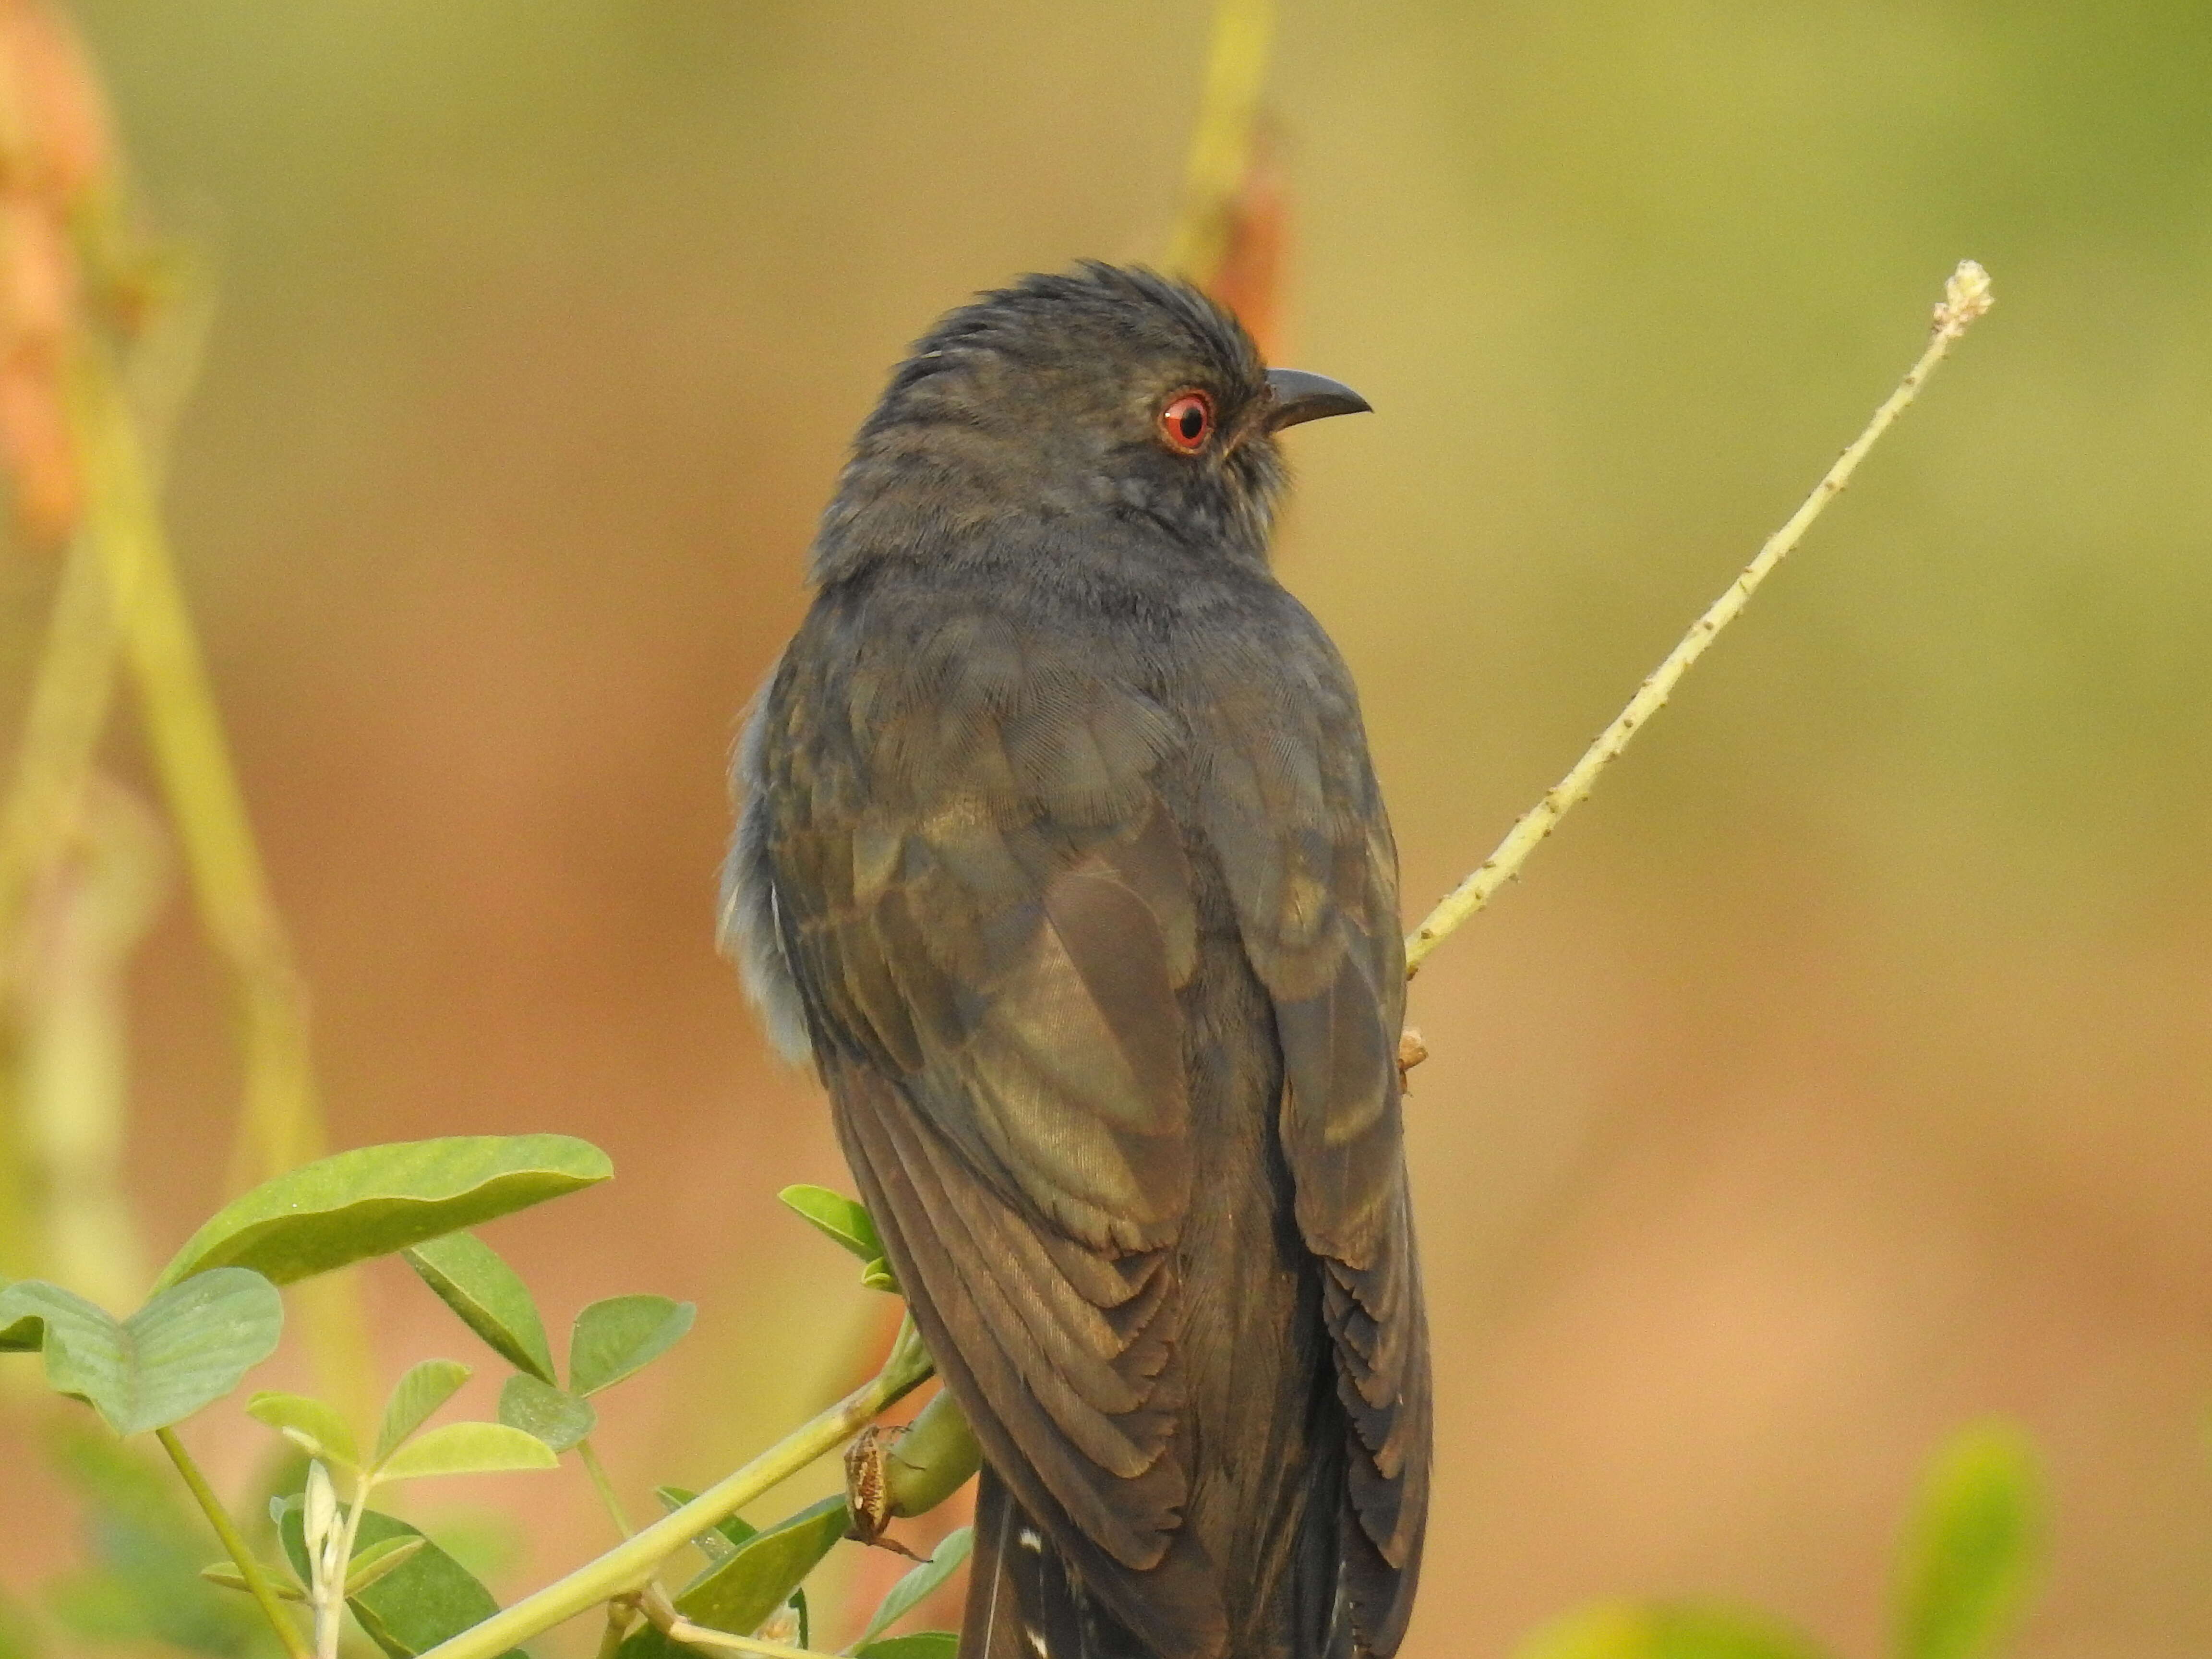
(973, 779)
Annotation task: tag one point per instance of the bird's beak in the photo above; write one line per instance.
(1302, 397)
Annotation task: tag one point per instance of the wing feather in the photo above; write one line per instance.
(1306, 846)
(990, 914)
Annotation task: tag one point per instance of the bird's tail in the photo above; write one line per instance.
(1024, 1600)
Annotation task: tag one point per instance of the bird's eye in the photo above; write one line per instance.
(1187, 422)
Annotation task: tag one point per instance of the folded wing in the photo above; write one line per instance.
(988, 910)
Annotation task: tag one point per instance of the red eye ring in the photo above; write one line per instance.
(1187, 422)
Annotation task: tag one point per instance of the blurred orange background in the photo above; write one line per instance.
(1840, 1073)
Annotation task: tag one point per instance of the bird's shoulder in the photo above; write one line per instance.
(1213, 646)
(1017, 727)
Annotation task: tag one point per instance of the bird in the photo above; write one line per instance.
(1060, 855)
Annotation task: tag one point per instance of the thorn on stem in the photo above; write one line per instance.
(1412, 1051)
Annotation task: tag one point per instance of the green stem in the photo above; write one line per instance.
(241, 1553)
(620, 1617)
(629, 1564)
(705, 1636)
(598, 1471)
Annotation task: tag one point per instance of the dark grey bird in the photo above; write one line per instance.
(1062, 855)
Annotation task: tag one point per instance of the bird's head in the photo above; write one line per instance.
(1105, 394)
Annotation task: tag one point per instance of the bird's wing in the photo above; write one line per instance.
(1300, 830)
(988, 913)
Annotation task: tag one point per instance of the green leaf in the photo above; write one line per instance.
(720, 1544)
(82, 1343)
(922, 1644)
(1627, 1629)
(424, 1389)
(186, 1348)
(739, 1594)
(490, 1543)
(878, 1276)
(472, 1280)
(376, 1199)
(27, 1331)
(909, 1592)
(845, 1220)
(619, 1337)
(225, 1572)
(729, 1532)
(1973, 1546)
(378, 1561)
(311, 1425)
(467, 1449)
(427, 1599)
(552, 1415)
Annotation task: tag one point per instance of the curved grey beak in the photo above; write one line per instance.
(1302, 397)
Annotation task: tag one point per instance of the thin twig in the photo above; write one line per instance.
(241, 1553)
(598, 1471)
(1965, 297)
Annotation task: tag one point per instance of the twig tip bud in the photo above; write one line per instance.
(1965, 296)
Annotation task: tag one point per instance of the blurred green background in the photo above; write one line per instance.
(1840, 1073)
